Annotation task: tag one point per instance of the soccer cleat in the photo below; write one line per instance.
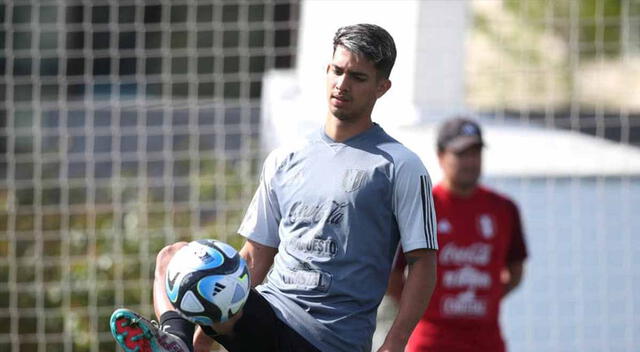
(135, 333)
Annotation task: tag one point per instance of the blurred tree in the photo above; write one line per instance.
(591, 27)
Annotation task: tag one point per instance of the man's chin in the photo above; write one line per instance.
(340, 114)
(469, 183)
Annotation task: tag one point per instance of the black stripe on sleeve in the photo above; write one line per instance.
(432, 218)
(426, 212)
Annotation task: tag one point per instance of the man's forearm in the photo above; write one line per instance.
(259, 259)
(415, 297)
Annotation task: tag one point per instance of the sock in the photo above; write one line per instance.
(173, 323)
(209, 331)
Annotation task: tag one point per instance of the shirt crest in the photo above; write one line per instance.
(486, 225)
(353, 179)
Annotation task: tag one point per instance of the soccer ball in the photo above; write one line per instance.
(207, 282)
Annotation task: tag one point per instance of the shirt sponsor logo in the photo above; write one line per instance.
(331, 213)
(326, 248)
(353, 179)
(475, 254)
(468, 277)
(315, 280)
(464, 304)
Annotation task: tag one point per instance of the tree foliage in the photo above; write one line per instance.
(592, 27)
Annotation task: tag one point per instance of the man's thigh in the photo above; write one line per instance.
(259, 329)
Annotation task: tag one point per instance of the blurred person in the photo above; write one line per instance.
(329, 215)
(482, 251)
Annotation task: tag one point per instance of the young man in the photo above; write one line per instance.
(481, 256)
(328, 215)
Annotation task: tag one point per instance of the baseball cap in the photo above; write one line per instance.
(458, 134)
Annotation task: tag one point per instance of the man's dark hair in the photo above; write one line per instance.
(371, 41)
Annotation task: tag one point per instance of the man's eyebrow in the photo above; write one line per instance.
(352, 73)
(359, 74)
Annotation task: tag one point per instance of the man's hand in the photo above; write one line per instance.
(392, 347)
(511, 276)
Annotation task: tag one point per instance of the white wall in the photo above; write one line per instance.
(427, 77)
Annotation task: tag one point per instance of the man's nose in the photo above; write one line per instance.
(342, 82)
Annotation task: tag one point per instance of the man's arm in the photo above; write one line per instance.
(396, 283)
(512, 276)
(513, 271)
(415, 297)
(259, 260)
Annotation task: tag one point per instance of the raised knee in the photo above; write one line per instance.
(164, 257)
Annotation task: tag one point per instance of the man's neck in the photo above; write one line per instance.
(340, 130)
(459, 190)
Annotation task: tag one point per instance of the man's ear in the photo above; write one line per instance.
(383, 87)
(440, 153)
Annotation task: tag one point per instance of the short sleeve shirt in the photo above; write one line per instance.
(479, 235)
(337, 212)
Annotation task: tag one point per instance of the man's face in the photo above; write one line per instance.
(353, 86)
(462, 168)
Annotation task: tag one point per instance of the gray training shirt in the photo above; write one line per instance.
(336, 212)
